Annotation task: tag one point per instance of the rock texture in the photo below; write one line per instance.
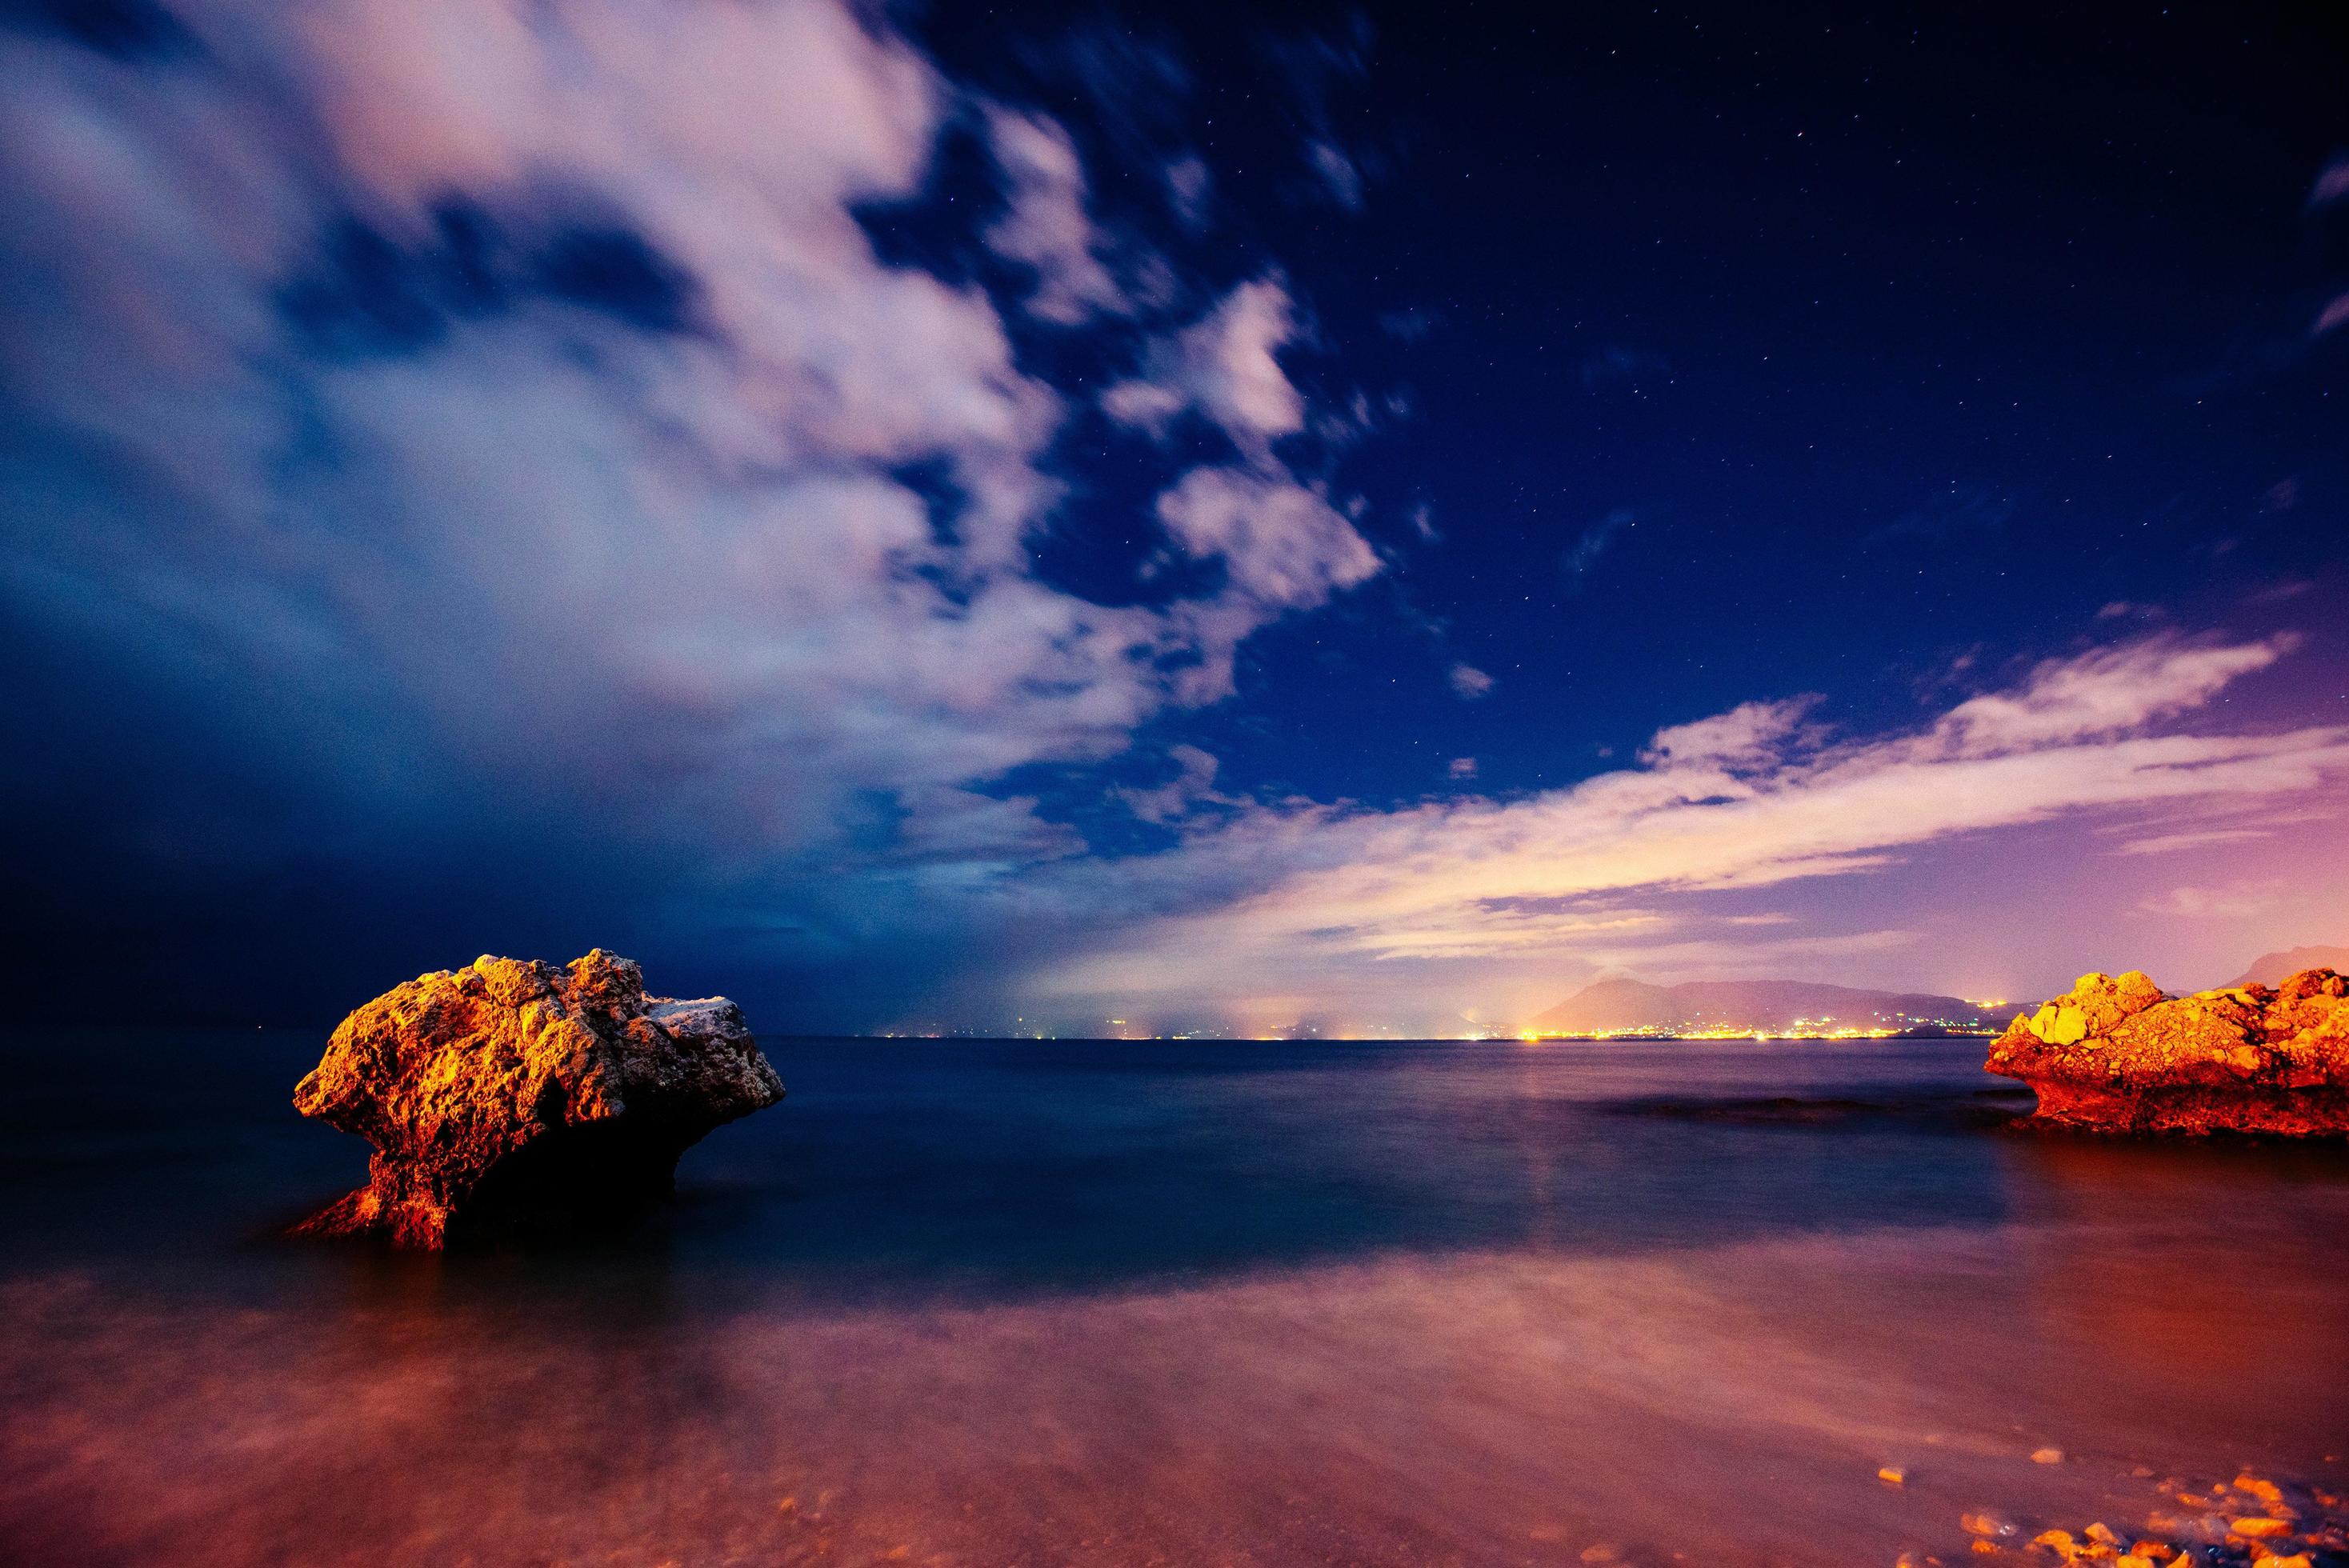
(2118, 1056)
(517, 1095)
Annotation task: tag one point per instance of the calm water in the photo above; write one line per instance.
(1017, 1303)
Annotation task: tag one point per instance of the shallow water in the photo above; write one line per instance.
(984, 1302)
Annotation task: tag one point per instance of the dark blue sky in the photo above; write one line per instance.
(1892, 341)
(974, 515)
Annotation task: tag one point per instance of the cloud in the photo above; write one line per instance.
(2229, 901)
(1222, 366)
(1299, 896)
(1190, 190)
(1134, 78)
(2336, 314)
(1586, 550)
(1752, 735)
(1959, 510)
(1282, 544)
(1194, 782)
(1046, 226)
(2105, 692)
(2281, 592)
(1470, 682)
(2200, 838)
(1338, 176)
(1461, 768)
(1407, 326)
(545, 436)
(2331, 182)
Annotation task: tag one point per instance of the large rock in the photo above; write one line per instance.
(2118, 1056)
(513, 1094)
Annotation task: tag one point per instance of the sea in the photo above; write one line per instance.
(999, 1303)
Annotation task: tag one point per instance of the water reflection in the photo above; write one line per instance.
(1412, 1306)
(1729, 1405)
(2226, 1256)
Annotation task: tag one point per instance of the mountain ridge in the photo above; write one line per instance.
(2270, 968)
(1625, 1006)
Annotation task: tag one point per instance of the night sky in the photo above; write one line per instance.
(1349, 519)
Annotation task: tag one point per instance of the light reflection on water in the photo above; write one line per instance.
(998, 1304)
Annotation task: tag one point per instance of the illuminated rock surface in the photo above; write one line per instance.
(516, 1095)
(2117, 1056)
(2289, 1525)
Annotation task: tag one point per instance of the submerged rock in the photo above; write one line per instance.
(2118, 1056)
(514, 1093)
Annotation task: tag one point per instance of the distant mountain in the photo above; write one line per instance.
(2270, 968)
(1748, 1006)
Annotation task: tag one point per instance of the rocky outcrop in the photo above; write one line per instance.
(516, 1095)
(2118, 1056)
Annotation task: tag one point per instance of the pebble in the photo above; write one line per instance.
(2299, 1526)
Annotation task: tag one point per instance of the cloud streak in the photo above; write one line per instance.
(1752, 798)
(1585, 552)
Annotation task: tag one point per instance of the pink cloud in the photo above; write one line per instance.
(1750, 799)
(1469, 681)
(1047, 226)
(1283, 545)
(2332, 183)
(1225, 366)
(1749, 735)
(2105, 692)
